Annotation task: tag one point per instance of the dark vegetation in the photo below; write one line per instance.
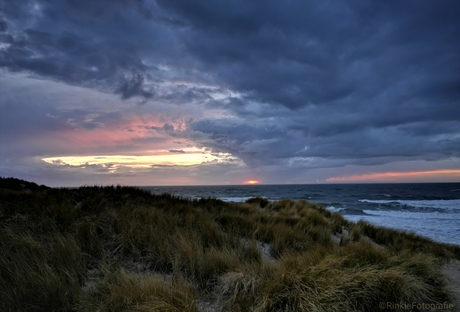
(124, 249)
(20, 185)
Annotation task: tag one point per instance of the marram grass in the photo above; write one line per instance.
(124, 249)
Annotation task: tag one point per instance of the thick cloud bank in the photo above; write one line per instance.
(285, 87)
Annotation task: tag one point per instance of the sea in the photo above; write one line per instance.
(428, 209)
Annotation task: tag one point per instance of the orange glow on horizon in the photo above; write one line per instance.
(251, 182)
(398, 176)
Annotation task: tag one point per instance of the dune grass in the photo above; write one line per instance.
(124, 249)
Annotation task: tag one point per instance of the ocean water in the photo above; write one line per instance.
(428, 209)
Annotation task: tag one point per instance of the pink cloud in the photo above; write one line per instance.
(416, 176)
(133, 134)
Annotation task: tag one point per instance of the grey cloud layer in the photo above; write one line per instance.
(315, 84)
(371, 83)
(94, 44)
(296, 53)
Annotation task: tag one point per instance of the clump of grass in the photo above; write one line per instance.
(260, 201)
(87, 234)
(285, 238)
(355, 234)
(320, 235)
(215, 263)
(38, 273)
(346, 280)
(120, 290)
(237, 224)
(240, 288)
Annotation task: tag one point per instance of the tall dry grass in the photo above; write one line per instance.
(122, 248)
(119, 290)
(39, 272)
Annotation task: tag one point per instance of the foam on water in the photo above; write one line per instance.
(440, 204)
(335, 209)
(444, 230)
(408, 214)
(435, 219)
(235, 199)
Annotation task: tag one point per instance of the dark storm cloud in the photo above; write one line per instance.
(134, 86)
(3, 26)
(280, 143)
(87, 43)
(186, 94)
(351, 82)
(103, 9)
(298, 53)
(377, 81)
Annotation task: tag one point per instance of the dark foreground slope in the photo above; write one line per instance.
(124, 249)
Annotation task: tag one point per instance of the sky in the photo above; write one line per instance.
(170, 92)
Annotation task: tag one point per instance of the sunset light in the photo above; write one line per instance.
(251, 182)
(398, 176)
(158, 158)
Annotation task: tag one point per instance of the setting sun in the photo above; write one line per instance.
(251, 182)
